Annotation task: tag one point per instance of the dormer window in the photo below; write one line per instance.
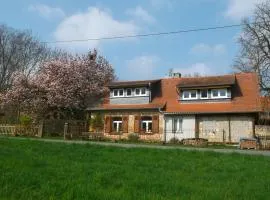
(219, 93)
(204, 94)
(189, 94)
(140, 92)
(129, 92)
(118, 92)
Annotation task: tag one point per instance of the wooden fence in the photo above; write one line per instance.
(72, 131)
(13, 130)
(262, 132)
(56, 127)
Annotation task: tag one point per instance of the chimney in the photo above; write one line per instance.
(176, 75)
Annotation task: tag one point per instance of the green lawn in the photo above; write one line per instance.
(39, 170)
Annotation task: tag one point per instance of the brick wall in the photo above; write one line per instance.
(131, 116)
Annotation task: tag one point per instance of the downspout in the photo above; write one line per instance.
(164, 127)
(150, 92)
(230, 132)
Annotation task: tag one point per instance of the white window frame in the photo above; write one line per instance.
(189, 96)
(219, 97)
(147, 125)
(179, 125)
(117, 122)
(138, 95)
(118, 93)
(127, 90)
(201, 94)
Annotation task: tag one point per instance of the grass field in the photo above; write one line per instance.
(39, 170)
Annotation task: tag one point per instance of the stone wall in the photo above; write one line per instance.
(225, 128)
(131, 116)
(144, 137)
(262, 130)
(214, 128)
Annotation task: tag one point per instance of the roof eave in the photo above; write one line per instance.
(212, 112)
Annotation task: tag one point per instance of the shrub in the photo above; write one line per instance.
(133, 137)
(97, 122)
(174, 140)
(25, 120)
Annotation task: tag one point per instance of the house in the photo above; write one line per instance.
(218, 108)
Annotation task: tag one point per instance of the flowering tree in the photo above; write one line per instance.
(69, 82)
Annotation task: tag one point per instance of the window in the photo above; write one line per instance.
(129, 92)
(177, 125)
(214, 93)
(223, 93)
(146, 124)
(143, 92)
(219, 93)
(189, 94)
(118, 92)
(204, 94)
(121, 92)
(140, 92)
(137, 91)
(117, 124)
(193, 94)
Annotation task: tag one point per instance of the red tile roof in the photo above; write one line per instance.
(265, 101)
(119, 84)
(207, 81)
(245, 96)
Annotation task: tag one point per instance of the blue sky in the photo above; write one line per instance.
(209, 52)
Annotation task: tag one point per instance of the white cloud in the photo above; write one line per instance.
(141, 67)
(141, 14)
(201, 68)
(94, 23)
(161, 4)
(204, 49)
(46, 11)
(238, 9)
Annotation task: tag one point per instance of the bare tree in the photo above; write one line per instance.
(254, 55)
(19, 51)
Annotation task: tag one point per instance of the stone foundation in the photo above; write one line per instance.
(145, 137)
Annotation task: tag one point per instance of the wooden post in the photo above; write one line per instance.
(65, 130)
(230, 134)
(40, 129)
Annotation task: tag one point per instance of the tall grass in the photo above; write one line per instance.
(39, 170)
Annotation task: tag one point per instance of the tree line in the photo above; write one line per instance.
(35, 78)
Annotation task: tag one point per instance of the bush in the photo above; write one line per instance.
(133, 137)
(25, 120)
(174, 140)
(97, 122)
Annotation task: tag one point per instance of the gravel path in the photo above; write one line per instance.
(247, 152)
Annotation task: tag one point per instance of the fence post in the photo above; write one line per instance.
(65, 130)
(40, 129)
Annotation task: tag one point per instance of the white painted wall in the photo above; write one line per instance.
(188, 127)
